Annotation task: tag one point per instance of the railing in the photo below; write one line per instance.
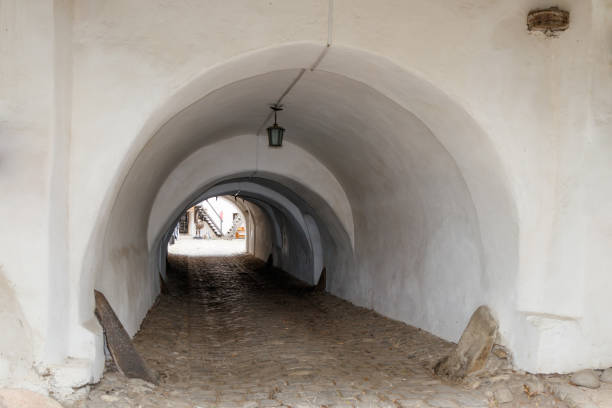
(214, 216)
(232, 231)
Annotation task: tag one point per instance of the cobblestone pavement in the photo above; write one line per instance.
(233, 333)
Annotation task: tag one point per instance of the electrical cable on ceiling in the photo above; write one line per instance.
(330, 23)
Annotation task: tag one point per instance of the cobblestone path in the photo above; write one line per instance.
(233, 333)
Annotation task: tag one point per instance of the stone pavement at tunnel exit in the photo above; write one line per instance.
(233, 333)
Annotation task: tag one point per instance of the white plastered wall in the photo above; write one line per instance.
(26, 129)
(35, 121)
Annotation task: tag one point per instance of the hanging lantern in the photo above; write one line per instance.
(275, 132)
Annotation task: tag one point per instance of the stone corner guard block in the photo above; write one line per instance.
(128, 361)
(471, 353)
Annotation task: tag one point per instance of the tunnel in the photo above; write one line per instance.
(281, 226)
(383, 180)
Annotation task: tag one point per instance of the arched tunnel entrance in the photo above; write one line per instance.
(383, 180)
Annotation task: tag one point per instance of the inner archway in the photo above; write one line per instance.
(288, 228)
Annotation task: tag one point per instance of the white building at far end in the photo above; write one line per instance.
(222, 212)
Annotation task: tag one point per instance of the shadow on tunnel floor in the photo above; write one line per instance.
(185, 275)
